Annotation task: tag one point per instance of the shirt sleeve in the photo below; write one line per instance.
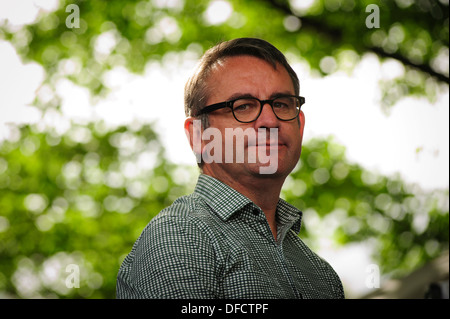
(172, 258)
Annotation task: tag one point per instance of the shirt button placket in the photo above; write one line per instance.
(280, 253)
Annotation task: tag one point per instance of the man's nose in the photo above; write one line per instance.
(267, 117)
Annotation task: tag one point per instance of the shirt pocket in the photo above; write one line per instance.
(247, 284)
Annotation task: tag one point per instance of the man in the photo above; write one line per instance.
(234, 237)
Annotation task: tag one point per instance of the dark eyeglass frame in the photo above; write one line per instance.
(229, 104)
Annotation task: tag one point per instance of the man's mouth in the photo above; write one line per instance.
(270, 144)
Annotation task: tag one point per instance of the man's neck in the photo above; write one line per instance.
(261, 190)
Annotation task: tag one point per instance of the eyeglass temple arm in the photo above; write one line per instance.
(302, 100)
(212, 108)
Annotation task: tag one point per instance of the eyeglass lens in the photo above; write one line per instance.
(248, 109)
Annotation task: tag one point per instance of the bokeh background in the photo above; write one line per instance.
(92, 143)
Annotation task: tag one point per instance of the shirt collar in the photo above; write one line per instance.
(223, 199)
(289, 215)
(226, 201)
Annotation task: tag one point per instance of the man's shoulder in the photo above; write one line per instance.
(184, 208)
(184, 214)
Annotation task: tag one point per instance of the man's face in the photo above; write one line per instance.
(249, 76)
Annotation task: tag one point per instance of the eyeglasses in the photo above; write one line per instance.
(248, 109)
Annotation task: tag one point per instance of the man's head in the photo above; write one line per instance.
(252, 68)
(196, 91)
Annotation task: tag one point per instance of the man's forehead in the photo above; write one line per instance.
(247, 74)
(243, 61)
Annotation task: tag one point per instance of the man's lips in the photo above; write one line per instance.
(267, 145)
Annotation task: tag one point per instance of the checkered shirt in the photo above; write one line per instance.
(216, 243)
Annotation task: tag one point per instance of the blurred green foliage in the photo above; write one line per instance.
(83, 196)
(330, 35)
(405, 225)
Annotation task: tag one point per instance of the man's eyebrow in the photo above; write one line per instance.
(248, 95)
(240, 96)
(279, 94)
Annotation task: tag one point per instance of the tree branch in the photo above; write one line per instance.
(336, 36)
(421, 67)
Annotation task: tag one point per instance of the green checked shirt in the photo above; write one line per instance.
(216, 243)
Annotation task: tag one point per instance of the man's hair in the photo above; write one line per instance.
(196, 92)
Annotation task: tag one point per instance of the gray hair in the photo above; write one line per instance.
(196, 92)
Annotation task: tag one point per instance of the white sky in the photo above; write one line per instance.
(339, 105)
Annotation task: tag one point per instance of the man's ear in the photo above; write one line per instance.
(189, 130)
(193, 131)
(301, 117)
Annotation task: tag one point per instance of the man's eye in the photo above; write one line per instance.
(244, 105)
(241, 107)
(280, 105)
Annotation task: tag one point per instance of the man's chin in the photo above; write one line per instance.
(270, 169)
